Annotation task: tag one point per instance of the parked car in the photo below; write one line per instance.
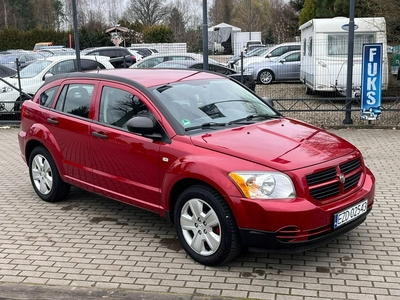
(155, 59)
(235, 58)
(194, 64)
(285, 67)
(56, 51)
(256, 46)
(143, 51)
(250, 43)
(34, 75)
(136, 54)
(24, 59)
(7, 71)
(120, 57)
(200, 149)
(40, 45)
(272, 53)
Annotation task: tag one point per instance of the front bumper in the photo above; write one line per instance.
(298, 224)
(268, 242)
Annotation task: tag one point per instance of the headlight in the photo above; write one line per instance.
(248, 71)
(264, 185)
(6, 89)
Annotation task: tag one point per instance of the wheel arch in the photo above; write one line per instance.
(32, 144)
(182, 185)
(35, 140)
(265, 69)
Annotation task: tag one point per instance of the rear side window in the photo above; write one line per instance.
(75, 99)
(66, 66)
(112, 53)
(293, 57)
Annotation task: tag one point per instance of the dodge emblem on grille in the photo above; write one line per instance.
(342, 178)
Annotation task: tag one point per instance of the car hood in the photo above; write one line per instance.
(28, 85)
(283, 144)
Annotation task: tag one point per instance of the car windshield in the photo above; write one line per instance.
(212, 103)
(34, 69)
(258, 52)
(8, 59)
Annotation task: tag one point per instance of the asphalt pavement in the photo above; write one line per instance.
(91, 247)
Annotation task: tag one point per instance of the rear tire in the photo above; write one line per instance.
(308, 90)
(45, 179)
(18, 106)
(206, 227)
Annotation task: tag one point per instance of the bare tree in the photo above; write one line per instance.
(221, 11)
(147, 12)
(389, 10)
(284, 22)
(252, 15)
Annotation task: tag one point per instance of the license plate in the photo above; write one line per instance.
(349, 214)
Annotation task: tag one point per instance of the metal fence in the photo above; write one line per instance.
(290, 98)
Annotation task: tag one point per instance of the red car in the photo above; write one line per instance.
(198, 148)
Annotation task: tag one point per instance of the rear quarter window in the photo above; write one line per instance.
(46, 98)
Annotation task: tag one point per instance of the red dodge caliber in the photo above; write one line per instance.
(200, 149)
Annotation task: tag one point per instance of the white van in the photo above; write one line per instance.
(324, 50)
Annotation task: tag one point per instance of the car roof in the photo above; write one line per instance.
(66, 57)
(102, 48)
(146, 77)
(195, 56)
(185, 63)
(186, 54)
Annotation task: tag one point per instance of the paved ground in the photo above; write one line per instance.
(90, 247)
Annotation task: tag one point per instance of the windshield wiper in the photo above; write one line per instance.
(205, 125)
(254, 116)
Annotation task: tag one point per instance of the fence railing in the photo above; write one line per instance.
(290, 98)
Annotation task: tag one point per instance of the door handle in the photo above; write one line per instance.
(52, 121)
(99, 135)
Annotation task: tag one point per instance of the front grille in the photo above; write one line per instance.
(334, 181)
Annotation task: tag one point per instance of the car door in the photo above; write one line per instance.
(68, 124)
(289, 68)
(125, 165)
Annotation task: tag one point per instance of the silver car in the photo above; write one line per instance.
(284, 67)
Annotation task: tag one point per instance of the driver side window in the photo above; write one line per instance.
(118, 106)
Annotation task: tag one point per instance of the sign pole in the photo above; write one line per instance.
(76, 35)
(205, 36)
(349, 86)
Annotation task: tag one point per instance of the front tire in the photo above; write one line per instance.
(45, 178)
(266, 77)
(206, 227)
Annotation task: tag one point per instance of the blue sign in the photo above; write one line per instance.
(371, 82)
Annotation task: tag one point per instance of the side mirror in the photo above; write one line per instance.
(143, 125)
(268, 101)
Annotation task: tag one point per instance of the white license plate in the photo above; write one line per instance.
(349, 214)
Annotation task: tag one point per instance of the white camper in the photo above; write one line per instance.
(324, 49)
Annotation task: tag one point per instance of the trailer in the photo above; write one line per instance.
(324, 53)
